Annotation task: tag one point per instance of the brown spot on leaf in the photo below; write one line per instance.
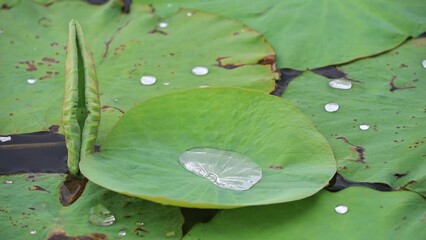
(5, 6)
(403, 65)
(394, 88)
(50, 60)
(357, 149)
(62, 236)
(400, 175)
(106, 107)
(38, 188)
(30, 65)
(276, 167)
(54, 44)
(268, 60)
(119, 49)
(117, 31)
(226, 66)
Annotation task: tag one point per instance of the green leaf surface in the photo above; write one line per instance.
(311, 34)
(81, 108)
(371, 214)
(125, 47)
(140, 156)
(30, 203)
(387, 94)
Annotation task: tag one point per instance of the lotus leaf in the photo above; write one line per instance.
(140, 156)
(125, 47)
(390, 215)
(29, 206)
(387, 95)
(312, 34)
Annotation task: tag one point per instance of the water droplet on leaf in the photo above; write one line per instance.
(225, 169)
(340, 84)
(200, 70)
(122, 233)
(101, 216)
(115, 99)
(331, 107)
(364, 127)
(166, 84)
(33, 232)
(31, 80)
(148, 80)
(8, 181)
(341, 209)
(170, 234)
(189, 14)
(163, 24)
(424, 63)
(5, 138)
(203, 86)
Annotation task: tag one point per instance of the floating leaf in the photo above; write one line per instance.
(81, 108)
(125, 47)
(377, 134)
(30, 206)
(390, 215)
(312, 34)
(140, 156)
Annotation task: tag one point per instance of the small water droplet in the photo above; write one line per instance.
(8, 181)
(331, 107)
(203, 86)
(101, 216)
(200, 70)
(33, 232)
(140, 224)
(122, 233)
(5, 138)
(340, 84)
(166, 83)
(115, 99)
(225, 169)
(364, 127)
(31, 80)
(170, 234)
(341, 209)
(148, 80)
(424, 63)
(163, 24)
(189, 14)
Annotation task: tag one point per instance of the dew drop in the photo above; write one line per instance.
(148, 80)
(33, 232)
(203, 86)
(364, 127)
(31, 80)
(166, 83)
(115, 99)
(101, 216)
(340, 84)
(140, 224)
(200, 70)
(225, 169)
(424, 63)
(8, 181)
(163, 24)
(341, 209)
(122, 233)
(331, 107)
(189, 14)
(170, 234)
(5, 138)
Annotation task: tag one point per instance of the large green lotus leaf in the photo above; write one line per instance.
(311, 34)
(31, 203)
(387, 94)
(125, 47)
(371, 214)
(140, 156)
